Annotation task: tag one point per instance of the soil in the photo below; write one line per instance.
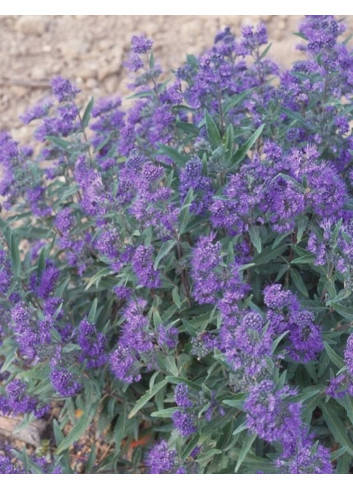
(90, 51)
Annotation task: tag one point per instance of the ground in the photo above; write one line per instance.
(90, 51)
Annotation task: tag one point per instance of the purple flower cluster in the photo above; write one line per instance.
(285, 314)
(205, 260)
(108, 243)
(63, 381)
(17, 401)
(183, 418)
(44, 285)
(275, 418)
(332, 244)
(5, 272)
(63, 90)
(135, 343)
(6, 466)
(304, 457)
(270, 414)
(92, 344)
(62, 378)
(342, 384)
(14, 169)
(37, 112)
(138, 342)
(321, 31)
(109, 121)
(247, 345)
(191, 178)
(142, 264)
(27, 332)
(75, 246)
(167, 337)
(94, 198)
(162, 460)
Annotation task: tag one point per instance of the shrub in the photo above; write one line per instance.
(179, 273)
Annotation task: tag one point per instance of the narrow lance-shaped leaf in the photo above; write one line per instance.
(254, 233)
(87, 114)
(146, 397)
(244, 451)
(243, 150)
(15, 256)
(78, 429)
(213, 133)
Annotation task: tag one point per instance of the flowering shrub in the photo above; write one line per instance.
(183, 269)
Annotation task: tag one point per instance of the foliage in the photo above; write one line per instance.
(182, 272)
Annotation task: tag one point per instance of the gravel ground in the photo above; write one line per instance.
(90, 50)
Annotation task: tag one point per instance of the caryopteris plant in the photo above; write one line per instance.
(181, 272)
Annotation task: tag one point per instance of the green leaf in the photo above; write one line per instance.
(299, 34)
(237, 401)
(78, 430)
(163, 251)
(296, 116)
(61, 143)
(87, 114)
(119, 432)
(207, 456)
(348, 404)
(182, 380)
(192, 60)
(184, 216)
(306, 394)
(235, 100)
(93, 311)
(267, 255)
(279, 240)
(176, 297)
(344, 464)
(254, 233)
(146, 397)
(302, 223)
(333, 356)
(187, 128)
(164, 413)
(195, 440)
(264, 52)
(346, 312)
(337, 428)
(277, 341)
(170, 365)
(308, 258)
(229, 140)
(102, 144)
(240, 428)
(342, 294)
(244, 451)
(298, 281)
(151, 61)
(103, 272)
(15, 256)
(337, 453)
(173, 154)
(91, 459)
(213, 133)
(246, 266)
(243, 150)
